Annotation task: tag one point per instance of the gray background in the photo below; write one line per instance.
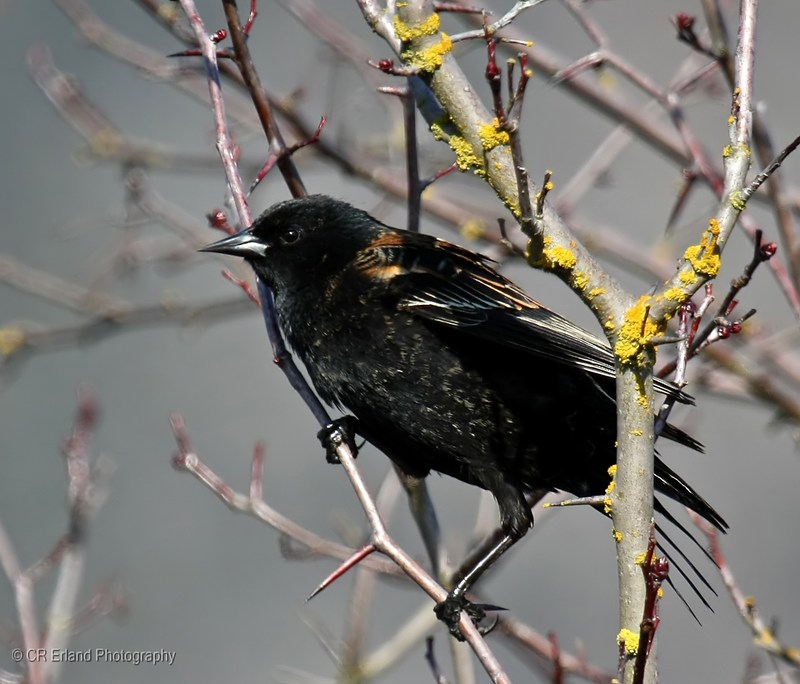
(212, 585)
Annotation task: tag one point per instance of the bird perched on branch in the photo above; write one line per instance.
(446, 365)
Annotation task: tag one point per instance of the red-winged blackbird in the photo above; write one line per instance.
(446, 365)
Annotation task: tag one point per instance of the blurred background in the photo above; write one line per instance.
(109, 170)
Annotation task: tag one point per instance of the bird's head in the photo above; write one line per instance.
(300, 240)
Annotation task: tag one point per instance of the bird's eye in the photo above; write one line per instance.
(289, 236)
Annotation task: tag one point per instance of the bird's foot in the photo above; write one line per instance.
(449, 612)
(337, 432)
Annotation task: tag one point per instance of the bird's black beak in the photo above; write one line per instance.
(241, 244)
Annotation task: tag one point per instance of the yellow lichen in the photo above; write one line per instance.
(431, 58)
(556, 258)
(765, 639)
(406, 32)
(12, 339)
(737, 201)
(437, 128)
(704, 258)
(636, 433)
(636, 331)
(473, 229)
(687, 277)
(607, 501)
(731, 120)
(466, 159)
(617, 535)
(629, 641)
(676, 294)
(731, 150)
(640, 559)
(579, 280)
(596, 292)
(513, 207)
(492, 135)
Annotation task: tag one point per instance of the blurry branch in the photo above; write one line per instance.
(525, 639)
(764, 636)
(20, 340)
(87, 488)
(104, 140)
(50, 287)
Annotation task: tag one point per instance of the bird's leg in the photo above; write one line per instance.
(339, 431)
(516, 519)
(449, 610)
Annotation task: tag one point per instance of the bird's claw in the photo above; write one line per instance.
(449, 612)
(337, 432)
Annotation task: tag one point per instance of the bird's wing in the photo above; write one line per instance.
(452, 286)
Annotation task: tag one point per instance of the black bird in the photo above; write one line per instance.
(446, 364)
